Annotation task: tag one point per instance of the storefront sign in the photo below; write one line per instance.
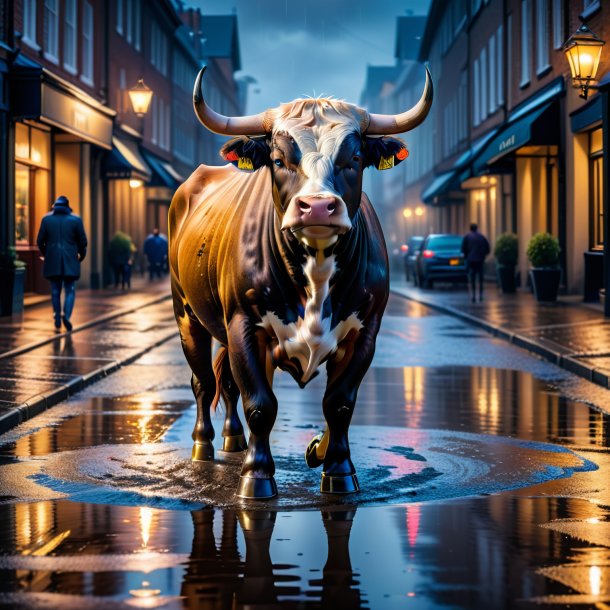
(75, 116)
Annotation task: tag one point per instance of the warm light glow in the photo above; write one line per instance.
(146, 517)
(419, 211)
(140, 97)
(484, 179)
(583, 50)
(136, 184)
(407, 212)
(595, 580)
(493, 181)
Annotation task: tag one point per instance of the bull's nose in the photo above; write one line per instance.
(316, 210)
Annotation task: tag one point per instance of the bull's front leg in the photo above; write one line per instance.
(344, 378)
(248, 364)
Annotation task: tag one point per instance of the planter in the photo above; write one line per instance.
(545, 283)
(11, 295)
(506, 278)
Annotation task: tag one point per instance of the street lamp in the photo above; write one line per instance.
(419, 211)
(583, 50)
(140, 97)
(407, 212)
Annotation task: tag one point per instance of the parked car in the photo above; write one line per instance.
(411, 254)
(440, 258)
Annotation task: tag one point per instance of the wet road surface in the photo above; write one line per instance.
(485, 479)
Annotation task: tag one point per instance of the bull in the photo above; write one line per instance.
(279, 256)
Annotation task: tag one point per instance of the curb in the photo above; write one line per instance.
(41, 402)
(566, 361)
(94, 322)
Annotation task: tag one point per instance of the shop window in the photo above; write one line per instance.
(22, 204)
(596, 193)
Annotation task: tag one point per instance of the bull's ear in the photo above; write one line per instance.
(247, 153)
(384, 152)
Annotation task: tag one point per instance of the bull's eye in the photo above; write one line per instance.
(279, 163)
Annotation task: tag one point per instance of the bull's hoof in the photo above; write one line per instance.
(252, 488)
(202, 452)
(311, 456)
(332, 484)
(232, 444)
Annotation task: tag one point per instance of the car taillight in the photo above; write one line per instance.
(428, 253)
(404, 248)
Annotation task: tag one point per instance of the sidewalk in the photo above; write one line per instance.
(39, 367)
(569, 333)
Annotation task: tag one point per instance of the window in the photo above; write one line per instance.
(476, 117)
(29, 23)
(542, 36)
(119, 16)
(158, 48)
(596, 216)
(484, 83)
(51, 27)
(499, 66)
(70, 36)
(558, 35)
(129, 19)
(525, 42)
(137, 24)
(492, 74)
(87, 38)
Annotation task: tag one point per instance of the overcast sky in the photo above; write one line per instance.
(312, 47)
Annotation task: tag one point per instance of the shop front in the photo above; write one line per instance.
(60, 134)
(521, 166)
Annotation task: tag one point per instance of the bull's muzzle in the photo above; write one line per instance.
(317, 215)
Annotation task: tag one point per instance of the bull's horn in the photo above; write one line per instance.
(256, 124)
(385, 124)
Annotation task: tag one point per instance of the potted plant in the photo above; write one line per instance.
(506, 252)
(12, 279)
(543, 253)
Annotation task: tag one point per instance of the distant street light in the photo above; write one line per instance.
(407, 212)
(419, 211)
(140, 97)
(583, 50)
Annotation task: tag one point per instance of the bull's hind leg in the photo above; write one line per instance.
(197, 346)
(332, 448)
(248, 363)
(232, 431)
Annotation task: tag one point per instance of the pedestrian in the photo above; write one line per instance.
(475, 248)
(63, 244)
(120, 253)
(155, 249)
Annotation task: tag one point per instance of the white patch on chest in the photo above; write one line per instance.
(310, 339)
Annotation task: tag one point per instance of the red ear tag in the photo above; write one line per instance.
(232, 156)
(403, 153)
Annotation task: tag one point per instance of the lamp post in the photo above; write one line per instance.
(583, 51)
(140, 97)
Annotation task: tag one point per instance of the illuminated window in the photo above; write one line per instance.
(596, 193)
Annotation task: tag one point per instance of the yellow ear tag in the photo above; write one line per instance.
(245, 163)
(386, 162)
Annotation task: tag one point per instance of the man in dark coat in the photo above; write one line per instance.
(475, 248)
(155, 248)
(63, 245)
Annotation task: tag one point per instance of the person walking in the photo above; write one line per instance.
(475, 248)
(63, 245)
(155, 249)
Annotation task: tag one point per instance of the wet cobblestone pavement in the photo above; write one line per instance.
(485, 475)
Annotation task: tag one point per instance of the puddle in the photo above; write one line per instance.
(445, 555)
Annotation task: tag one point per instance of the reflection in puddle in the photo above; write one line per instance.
(477, 553)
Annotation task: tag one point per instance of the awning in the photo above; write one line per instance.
(125, 162)
(461, 171)
(163, 174)
(37, 93)
(587, 117)
(537, 127)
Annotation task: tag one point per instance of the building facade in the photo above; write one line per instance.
(67, 125)
(512, 145)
